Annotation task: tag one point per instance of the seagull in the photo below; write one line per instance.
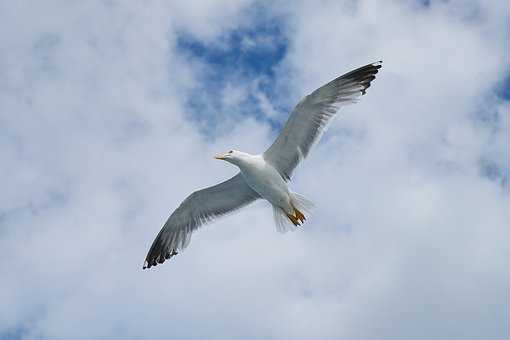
(265, 176)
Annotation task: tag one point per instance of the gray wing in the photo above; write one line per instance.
(200, 207)
(310, 117)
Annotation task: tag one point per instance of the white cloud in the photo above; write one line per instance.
(409, 239)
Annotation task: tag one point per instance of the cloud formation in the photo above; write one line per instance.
(109, 116)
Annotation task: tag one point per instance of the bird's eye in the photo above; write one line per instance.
(231, 151)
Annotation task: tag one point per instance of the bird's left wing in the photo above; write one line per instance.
(199, 208)
(310, 117)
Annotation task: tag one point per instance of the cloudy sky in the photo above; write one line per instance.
(110, 112)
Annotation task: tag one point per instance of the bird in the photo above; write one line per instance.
(267, 175)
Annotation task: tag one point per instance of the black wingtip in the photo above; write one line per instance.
(153, 261)
(365, 75)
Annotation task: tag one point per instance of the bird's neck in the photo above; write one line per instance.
(246, 160)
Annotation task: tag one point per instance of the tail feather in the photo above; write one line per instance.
(301, 203)
(281, 220)
(289, 222)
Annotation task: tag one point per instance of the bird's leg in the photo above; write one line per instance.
(293, 219)
(299, 215)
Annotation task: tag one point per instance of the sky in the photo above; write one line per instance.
(111, 111)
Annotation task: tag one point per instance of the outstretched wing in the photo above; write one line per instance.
(310, 117)
(200, 207)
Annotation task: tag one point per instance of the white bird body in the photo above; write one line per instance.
(265, 176)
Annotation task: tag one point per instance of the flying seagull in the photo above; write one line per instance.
(264, 176)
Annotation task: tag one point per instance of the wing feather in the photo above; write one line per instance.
(201, 207)
(310, 117)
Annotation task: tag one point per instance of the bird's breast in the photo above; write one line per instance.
(267, 182)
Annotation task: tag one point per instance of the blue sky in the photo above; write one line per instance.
(110, 113)
(253, 52)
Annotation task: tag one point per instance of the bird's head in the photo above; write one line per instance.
(232, 156)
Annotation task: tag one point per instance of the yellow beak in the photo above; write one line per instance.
(221, 157)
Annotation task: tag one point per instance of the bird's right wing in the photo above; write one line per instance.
(310, 117)
(199, 208)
